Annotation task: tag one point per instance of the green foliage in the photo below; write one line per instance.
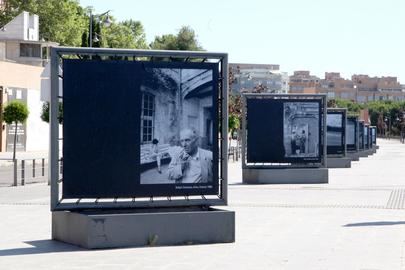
(235, 105)
(138, 33)
(185, 40)
(45, 112)
(353, 108)
(233, 122)
(15, 112)
(385, 114)
(61, 21)
(66, 22)
(127, 34)
(392, 113)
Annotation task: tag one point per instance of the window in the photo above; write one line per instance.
(361, 99)
(30, 50)
(148, 112)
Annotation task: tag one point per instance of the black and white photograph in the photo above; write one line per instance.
(301, 129)
(334, 122)
(361, 135)
(366, 137)
(177, 129)
(351, 132)
(373, 135)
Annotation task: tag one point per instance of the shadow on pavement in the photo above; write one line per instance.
(40, 247)
(377, 223)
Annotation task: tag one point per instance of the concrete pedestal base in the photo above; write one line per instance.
(366, 153)
(148, 227)
(354, 156)
(285, 176)
(339, 162)
(363, 153)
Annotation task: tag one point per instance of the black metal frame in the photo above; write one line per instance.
(58, 203)
(289, 97)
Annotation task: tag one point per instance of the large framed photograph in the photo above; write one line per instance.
(285, 131)
(140, 129)
(336, 129)
(177, 127)
(351, 133)
(361, 135)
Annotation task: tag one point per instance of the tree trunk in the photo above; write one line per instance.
(15, 140)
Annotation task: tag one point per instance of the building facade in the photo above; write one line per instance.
(360, 88)
(257, 78)
(22, 60)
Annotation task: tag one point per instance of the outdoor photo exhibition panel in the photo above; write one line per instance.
(374, 135)
(366, 137)
(140, 128)
(336, 132)
(351, 133)
(361, 135)
(283, 130)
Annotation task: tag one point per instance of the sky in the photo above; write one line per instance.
(346, 36)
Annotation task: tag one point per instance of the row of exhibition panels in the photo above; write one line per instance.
(296, 138)
(116, 99)
(282, 134)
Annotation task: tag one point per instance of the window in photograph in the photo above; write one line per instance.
(148, 111)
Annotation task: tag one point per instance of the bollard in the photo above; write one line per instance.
(43, 167)
(15, 173)
(22, 172)
(33, 168)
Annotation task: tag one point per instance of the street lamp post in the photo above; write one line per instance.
(106, 22)
(388, 119)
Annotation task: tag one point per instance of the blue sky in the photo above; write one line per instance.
(347, 36)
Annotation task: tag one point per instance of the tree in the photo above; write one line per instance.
(138, 33)
(185, 40)
(124, 35)
(15, 112)
(61, 21)
(233, 124)
(235, 113)
(127, 34)
(45, 112)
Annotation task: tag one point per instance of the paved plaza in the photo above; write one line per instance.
(357, 221)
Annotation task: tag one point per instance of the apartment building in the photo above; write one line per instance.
(360, 88)
(257, 78)
(22, 60)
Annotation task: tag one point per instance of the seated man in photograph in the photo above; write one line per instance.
(192, 164)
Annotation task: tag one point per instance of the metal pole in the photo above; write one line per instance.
(15, 172)
(23, 172)
(91, 30)
(224, 140)
(43, 167)
(33, 168)
(53, 170)
(389, 127)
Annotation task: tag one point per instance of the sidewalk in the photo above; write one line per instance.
(357, 221)
(24, 155)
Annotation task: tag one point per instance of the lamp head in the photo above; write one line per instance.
(107, 22)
